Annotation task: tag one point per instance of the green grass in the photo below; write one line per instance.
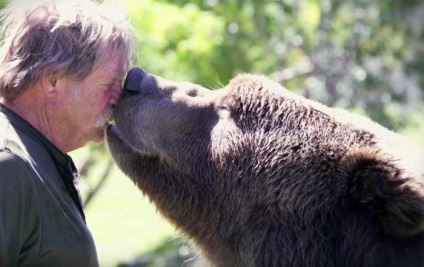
(123, 222)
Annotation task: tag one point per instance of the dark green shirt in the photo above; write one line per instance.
(41, 219)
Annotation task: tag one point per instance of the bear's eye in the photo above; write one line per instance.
(192, 93)
(222, 107)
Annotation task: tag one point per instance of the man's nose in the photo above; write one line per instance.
(133, 80)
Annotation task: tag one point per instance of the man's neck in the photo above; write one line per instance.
(32, 109)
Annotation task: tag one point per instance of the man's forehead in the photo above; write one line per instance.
(115, 67)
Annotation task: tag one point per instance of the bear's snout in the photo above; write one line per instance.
(134, 78)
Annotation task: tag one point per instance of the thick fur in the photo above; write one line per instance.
(256, 175)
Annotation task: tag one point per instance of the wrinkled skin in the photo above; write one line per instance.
(255, 175)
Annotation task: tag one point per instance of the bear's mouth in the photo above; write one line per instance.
(113, 134)
(111, 128)
(115, 138)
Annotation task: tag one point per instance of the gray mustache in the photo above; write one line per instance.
(104, 117)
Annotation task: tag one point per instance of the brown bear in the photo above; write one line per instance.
(256, 175)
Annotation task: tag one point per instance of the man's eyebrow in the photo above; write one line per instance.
(121, 74)
(117, 76)
(110, 79)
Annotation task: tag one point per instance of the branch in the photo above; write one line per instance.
(303, 67)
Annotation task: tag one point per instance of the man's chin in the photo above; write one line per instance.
(99, 140)
(99, 135)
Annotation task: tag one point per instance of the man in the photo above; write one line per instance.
(61, 68)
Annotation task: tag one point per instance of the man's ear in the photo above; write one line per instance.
(49, 83)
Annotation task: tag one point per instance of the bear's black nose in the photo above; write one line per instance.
(133, 80)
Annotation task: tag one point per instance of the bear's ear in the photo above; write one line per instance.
(395, 197)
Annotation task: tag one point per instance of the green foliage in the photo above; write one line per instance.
(176, 42)
(352, 54)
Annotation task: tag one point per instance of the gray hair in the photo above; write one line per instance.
(66, 38)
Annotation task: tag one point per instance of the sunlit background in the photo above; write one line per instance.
(365, 56)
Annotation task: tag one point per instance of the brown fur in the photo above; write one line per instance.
(255, 175)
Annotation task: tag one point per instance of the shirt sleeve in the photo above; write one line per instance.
(18, 212)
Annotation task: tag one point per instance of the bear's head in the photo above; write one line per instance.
(256, 175)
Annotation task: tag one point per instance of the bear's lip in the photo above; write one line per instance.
(112, 129)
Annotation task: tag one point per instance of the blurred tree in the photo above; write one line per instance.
(353, 53)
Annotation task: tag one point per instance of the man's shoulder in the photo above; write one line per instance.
(12, 157)
(15, 175)
(10, 140)
(11, 162)
(4, 130)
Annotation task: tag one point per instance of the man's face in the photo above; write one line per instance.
(87, 105)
